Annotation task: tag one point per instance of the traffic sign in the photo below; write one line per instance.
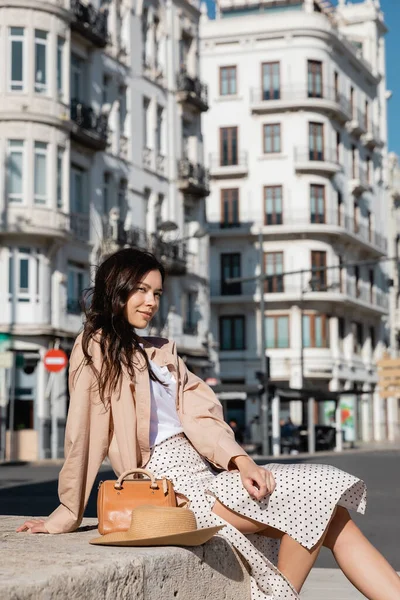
(6, 360)
(55, 360)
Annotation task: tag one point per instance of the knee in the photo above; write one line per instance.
(339, 520)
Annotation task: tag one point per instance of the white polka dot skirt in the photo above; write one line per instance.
(301, 506)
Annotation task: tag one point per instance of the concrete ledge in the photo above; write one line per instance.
(45, 567)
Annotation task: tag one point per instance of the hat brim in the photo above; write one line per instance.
(191, 538)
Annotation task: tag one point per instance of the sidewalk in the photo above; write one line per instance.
(384, 446)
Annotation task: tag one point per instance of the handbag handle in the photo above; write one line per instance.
(153, 485)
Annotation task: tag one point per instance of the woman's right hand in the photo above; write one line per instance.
(33, 526)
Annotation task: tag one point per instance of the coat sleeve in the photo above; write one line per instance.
(85, 446)
(203, 421)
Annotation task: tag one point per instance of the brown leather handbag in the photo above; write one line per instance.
(117, 499)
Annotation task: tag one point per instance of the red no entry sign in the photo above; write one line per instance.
(55, 360)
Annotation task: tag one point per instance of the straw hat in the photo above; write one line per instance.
(159, 526)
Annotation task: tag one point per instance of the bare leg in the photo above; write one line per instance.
(362, 564)
(294, 561)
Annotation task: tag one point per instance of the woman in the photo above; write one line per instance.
(134, 400)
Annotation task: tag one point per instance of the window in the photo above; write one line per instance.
(356, 211)
(122, 195)
(232, 333)
(339, 208)
(315, 331)
(318, 266)
(366, 116)
(277, 331)
(272, 138)
(341, 332)
(352, 103)
(106, 193)
(40, 173)
(273, 268)
(369, 218)
(15, 171)
(77, 79)
(78, 202)
(230, 267)
(159, 130)
(371, 285)
(189, 313)
(105, 91)
(336, 86)
(316, 141)
(230, 208)
(40, 61)
(60, 67)
(369, 170)
(341, 274)
(338, 144)
(76, 283)
(358, 336)
(372, 338)
(271, 81)
(17, 73)
(273, 205)
(353, 161)
(146, 124)
(228, 146)
(227, 81)
(315, 89)
(317, 203)
(122, 112)
(357, 281)
(60, 177)
(24, 274)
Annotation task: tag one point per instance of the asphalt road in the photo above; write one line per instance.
(32, 490)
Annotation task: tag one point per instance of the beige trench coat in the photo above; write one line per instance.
(122, 433)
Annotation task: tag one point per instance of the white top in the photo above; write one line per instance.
(164, 420)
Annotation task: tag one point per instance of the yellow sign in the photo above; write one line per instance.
(389, 377)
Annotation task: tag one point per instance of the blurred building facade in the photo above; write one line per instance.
(100, 135)
(297, 149)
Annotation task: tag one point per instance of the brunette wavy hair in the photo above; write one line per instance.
(116, 279)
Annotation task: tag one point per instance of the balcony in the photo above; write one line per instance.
(297, 97)
(190, 328)
(74, 307)
(172, 254)
(90, 23)
(88, 128)
(372, 138)
(80, 226)
(359, 182)
(192, 92)
(193, 178)
(292, 223)
(228, 167)
(323, 162)
(357, 124)
(34, 220)
(222, 292)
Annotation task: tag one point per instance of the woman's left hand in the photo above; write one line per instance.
(259, 482)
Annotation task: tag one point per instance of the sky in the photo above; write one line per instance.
(391, 9)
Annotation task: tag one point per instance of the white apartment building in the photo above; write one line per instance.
(296, 144)
(100, 135)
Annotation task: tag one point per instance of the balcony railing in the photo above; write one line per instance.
(91, 128)
(298, 95)
(90, 22)
(316, 160)
(80, 226)
(172, 254)
(190, 328)
(307, 220)
(193, 178)
(231, 160)
(74, 306)
(190, 89)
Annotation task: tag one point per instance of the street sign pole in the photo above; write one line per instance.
(263, 357)
(12, 403)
